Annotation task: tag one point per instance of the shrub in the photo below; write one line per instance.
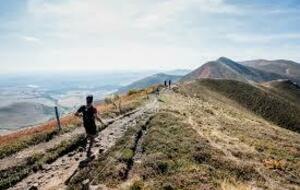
(137, 185)
(133, 91)
(126, 155)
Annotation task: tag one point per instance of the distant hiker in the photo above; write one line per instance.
(89, 115)
(170, 82)
(157, 91)
(165, 83)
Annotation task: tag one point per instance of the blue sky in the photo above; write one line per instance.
(38, 35)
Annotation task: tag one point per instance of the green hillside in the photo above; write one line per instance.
(282, 67)
(284, 88)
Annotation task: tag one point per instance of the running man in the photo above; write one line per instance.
(89, 114)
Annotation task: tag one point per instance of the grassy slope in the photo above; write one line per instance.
(268, 105)
(191, 164)
(282, 67)
(201, 141)
(284, 88)
(266, 154)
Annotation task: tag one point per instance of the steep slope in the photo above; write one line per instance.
(149, 81)
(224, 68)
(287, 68)
(266, 104)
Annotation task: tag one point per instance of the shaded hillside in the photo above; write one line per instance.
(264, 103)
(287, 68)
(224, 68)
(25, 113)
(149, 81)
(284, 88)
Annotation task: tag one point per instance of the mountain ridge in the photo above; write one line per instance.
(287, 68)
(225, 68)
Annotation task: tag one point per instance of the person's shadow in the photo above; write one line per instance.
(82, 164)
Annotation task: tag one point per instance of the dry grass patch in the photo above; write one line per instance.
(228, 185)
(247, 140)
(175, 157)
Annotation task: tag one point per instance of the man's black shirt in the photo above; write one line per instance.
(89, 118)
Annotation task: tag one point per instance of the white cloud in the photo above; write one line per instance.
(260, 38)
(79, 17)
(168, 11)
(92, 16)
(30, 39)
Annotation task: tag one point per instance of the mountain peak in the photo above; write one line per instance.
(226, 68)
(224, 59)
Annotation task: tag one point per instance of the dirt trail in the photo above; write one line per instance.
(54, 175)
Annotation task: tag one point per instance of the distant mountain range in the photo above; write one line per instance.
(150, 80)
(289, 69)
(224, 68)
(257, 71)
(23, 114)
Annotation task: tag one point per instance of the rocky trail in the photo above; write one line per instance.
(55, 175)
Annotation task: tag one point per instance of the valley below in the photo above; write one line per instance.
(23, 107)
